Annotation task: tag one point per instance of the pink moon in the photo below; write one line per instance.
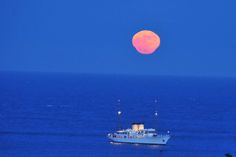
(146, 42)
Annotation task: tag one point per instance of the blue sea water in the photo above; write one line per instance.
(69, 115)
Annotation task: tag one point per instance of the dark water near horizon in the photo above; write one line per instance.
(66, 115)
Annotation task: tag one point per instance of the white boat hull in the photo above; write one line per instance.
(157, 140)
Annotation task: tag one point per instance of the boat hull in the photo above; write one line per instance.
(157, 140)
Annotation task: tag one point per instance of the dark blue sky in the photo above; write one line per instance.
(197, 37)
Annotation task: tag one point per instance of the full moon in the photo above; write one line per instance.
(146, 42)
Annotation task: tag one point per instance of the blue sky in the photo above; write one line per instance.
(197, 37)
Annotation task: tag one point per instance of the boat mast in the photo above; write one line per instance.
(119, 115)
(156, 101)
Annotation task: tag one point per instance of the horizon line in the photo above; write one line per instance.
(115, 74)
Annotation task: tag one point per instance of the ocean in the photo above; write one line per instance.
(70, 115)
